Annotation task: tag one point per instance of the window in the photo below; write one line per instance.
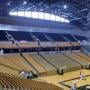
(39, 15)
(52, 17)
(28, 14)
(47, 16)
(21, 13)
(35, 14)
(57, 18)
(62, 19)
(13, 13)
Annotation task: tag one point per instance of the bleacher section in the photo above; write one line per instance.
(38, 67)
(44, 63)
(49, 69)
(60, 61)
(86, 49)
(9, 70)
(81, 38)
(56, 37)
(40, 36)
(9, 82)
(69, 37)
(77, 59)
(41, 68)
(25, 39)
(41, 64)
(15, 62)
(3, 36)
(21, 36)
(26, 36)
(84, 56)
(35, 62)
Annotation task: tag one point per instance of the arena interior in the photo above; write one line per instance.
(44, 44)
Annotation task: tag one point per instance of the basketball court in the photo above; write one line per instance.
(65, 81)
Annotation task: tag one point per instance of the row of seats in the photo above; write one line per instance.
(6, 69)
(9, 82)
(42, 66)
(84, 56)
(77, 59)
(15, 62)
(87, 48)
(36, 65)
(56, 61)
(60, 61)
(46, 65)
(31, 36)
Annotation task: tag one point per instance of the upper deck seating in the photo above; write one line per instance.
(21, 35)
(3, 36)
(69, 37)
(87, 48)
(81, 38)
(56, 36)
(40, 36)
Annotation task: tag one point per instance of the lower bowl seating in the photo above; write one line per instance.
(9, 82)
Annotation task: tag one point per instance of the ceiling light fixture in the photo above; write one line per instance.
(65, 6)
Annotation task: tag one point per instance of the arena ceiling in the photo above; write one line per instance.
(74, 10)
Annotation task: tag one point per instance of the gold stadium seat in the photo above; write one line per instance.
(15, 83)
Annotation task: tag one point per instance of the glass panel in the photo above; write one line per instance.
(62, 19)
(57, 18)
(21, 13)
(34, 14)
(13, 13)
(41, 15)
(52, 17)
(28, 14)
(47, 16)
